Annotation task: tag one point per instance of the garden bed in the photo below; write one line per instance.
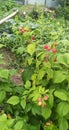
(34, 72)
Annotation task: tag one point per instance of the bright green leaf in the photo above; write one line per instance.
(63, 58)
(2, 96)
(46, 112)
(40, 74)
(63, 108)
(14, 100)
(20, 50)
(58, 76)
(3, 121)
(61, 95)
(49, 74)
(63, 124)
(3, 117)
(30, 61)
(51, 100)
(28, 84)
(1, 45)
(18, 125)
(31, 49)
(23, 103)
(4, 73)
(10, 122)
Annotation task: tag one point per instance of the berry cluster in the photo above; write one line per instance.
(41, 101)
(22, 30)
(48, 123)
(50, 49)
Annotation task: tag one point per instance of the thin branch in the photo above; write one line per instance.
(8, 17)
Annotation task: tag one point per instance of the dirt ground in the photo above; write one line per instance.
(10, 63)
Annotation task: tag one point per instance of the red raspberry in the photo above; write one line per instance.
(46, 47)
(55, 44)
(46, 60)
(44, 105)
(39, 99)
(48, 123)
(55, 59)
(28, 42)
(46, 97)
(33, 38)
(21, 30)
(54, 50)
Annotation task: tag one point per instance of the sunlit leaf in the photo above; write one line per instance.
(14, 100)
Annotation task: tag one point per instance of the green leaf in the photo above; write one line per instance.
(19, 89)
(18, 125)
(28, 107)
(51, 100)
(2, 96)
(63, 58)
(47, 65)
(41, 73)
(61, 95)
(35, 109)
(3, 117)
(34, 95)
(14, 100)
(1, 45)
(7, 88)
(63, 124)
(32, 127)
(3, 122)
(13, 72)
(49, 74)
(10, 122)
(20, 50)
(46, 112)
(38, 63)
(4, 73)
(27, 73)
(31, 49)
(27, 35)
(23, 103)
(67, 116)
(28, 84)
(63, 108)
(58, 76)
(30, 61)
